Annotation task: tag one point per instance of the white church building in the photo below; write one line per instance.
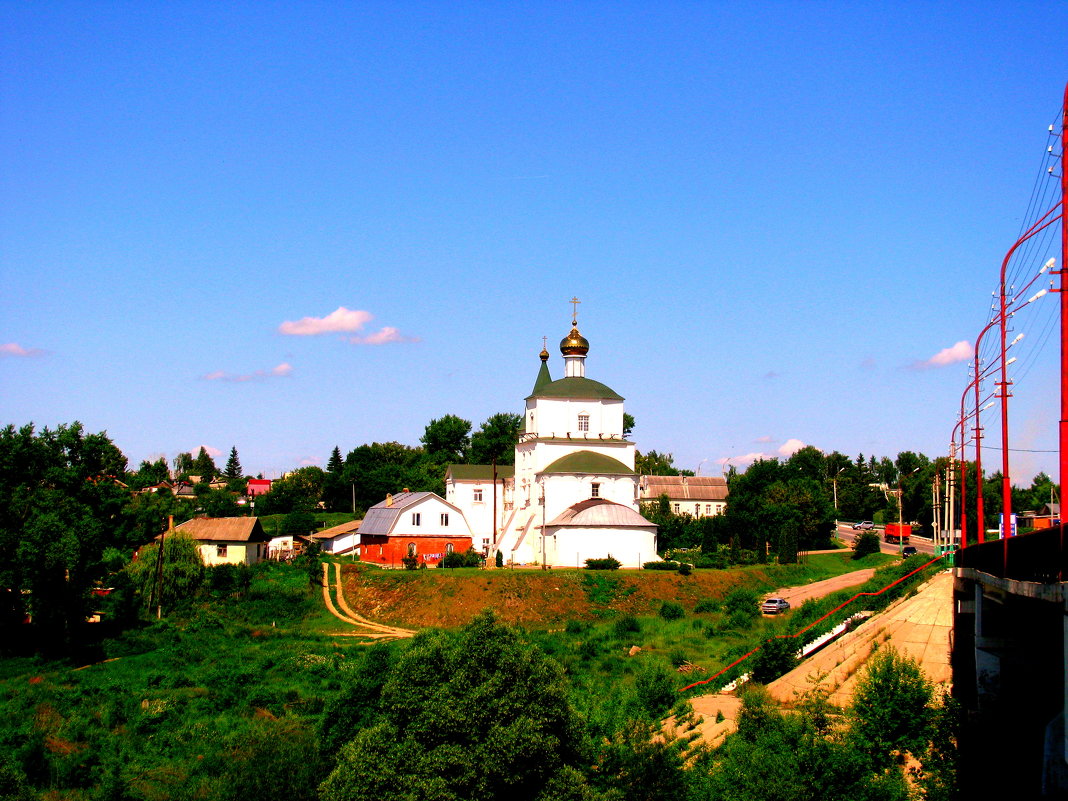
(573, 493)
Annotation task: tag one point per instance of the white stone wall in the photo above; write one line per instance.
(571, 547)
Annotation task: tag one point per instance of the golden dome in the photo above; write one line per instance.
(544, 355)
(574, 344)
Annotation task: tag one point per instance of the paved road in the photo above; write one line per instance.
(921, 544)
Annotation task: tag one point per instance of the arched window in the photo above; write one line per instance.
(449, 548)
(411, 549)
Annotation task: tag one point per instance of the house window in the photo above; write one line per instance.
(708, 508)
(444, 519)
(220, 550)
(416, 519)
(449, 547)
(478, 495)
(584, 422)
(595, 491)
(676, 508)
(411, 549)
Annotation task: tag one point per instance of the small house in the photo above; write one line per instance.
(422, 525)
(227, 540)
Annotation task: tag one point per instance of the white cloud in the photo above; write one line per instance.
(15, 349)
(764, 439)
(790, 447)
(386, 336)
(744, 459)
(282, 370)
(960, 352)
(214, 453)
(341, 320)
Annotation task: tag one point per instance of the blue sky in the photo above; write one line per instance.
(775, 216)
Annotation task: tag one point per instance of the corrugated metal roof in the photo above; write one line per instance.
(589, 462)
(694, 488)
(334, 531)
(600, 512)
(224, 529)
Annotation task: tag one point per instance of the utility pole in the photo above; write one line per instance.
(1064, 312)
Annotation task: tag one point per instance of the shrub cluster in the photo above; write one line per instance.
(603, 564)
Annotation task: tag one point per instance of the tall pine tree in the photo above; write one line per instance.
(233, 465)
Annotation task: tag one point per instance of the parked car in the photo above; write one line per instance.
(909, 551)
(863, 525)
(773, 606)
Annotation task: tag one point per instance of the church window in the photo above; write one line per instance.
(411, 549)
(449, 547)
(595, 491)
(583, 422)
(416, 519)
(444, 519)
(478, 495)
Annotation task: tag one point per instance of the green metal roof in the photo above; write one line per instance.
(575, 388)
(543, 380)
(479, 472)
(589, 462)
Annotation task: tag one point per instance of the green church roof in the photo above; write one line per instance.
(589, 462)
(543, 380)
(479, 472)
(574, 388)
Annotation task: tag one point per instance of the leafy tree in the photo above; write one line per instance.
(218, 503)
(866, 544)
(447, 439)
(184, 465)
(60, 509)
(389, 467)
(891, 709)
(628, 424)
(474, 715)
(655, 464)
(179, 577)
(496, 439)
(776, 657)
(149, 474)
(299, 491)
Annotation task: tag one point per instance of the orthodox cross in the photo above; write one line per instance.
(545, 343)
(574, 310)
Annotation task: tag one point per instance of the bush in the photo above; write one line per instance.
(499, 560)
(706, 605)
(663, 565)
(866, 544)
(470, 558)
(685, 569)
(776, 657)
(410, 562)
(742, 601)
(669, 610)
(628, 624)
(602, 564)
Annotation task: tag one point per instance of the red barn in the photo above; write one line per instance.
(419, 524)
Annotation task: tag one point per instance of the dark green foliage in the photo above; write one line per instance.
(410, 562)
(685, 569)
(498, 560)
(232, 471)
(468, 558)
(172, 582)
(475, 715)
(641, 764)
(626, 625)
(664, 565)
(447, 439)
(372, 471)
(742, 601)
(356, 706)
(204, 466)
(311, 563)
(656, 690)
(496, 439)
(300, 491)
(891, 707)
(298, 522)
(670, 610)
(607, 563)
(706, 605)
(776, 657)
(867, 543)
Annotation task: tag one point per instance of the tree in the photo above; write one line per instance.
(60, 509)
(476, 715)
(891, 710)
(184, 465)
(628, 424)
(204, 466)
(233, 470)
(335, 463)
(173, 581)
(496, 439)
(447, 439)
(299, 491)
(655, 464)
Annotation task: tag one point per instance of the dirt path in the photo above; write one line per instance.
(375, 631)
(798, 595)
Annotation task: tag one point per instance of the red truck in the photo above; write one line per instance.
(897, 534)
